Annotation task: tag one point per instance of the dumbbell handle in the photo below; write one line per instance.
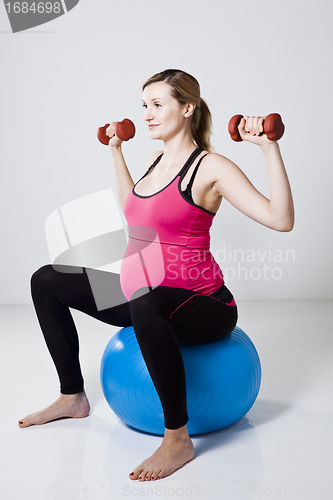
(125, 130)
(273, 127)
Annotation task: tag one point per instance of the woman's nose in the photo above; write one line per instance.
(148, 115)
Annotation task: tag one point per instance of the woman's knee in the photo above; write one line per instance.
(41, 279)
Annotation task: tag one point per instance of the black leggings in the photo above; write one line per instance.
(163, 318)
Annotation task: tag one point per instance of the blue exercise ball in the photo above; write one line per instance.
(222, 381)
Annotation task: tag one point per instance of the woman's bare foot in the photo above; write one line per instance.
(175, 451)
(68, 405)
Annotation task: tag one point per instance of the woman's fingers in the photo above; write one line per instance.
(248, 123)
(241, 127)
(111, 130)
(261, 124)
(253, 125)
(251, 128)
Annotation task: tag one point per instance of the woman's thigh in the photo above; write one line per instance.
(204, 318)
(195, 318)
(93, 292)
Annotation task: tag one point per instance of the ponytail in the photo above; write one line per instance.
(201, 126)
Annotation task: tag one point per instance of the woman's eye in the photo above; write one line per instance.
(158, 105)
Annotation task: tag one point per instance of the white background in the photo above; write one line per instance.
(62, 80)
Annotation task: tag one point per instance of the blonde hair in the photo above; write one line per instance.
(186, 89)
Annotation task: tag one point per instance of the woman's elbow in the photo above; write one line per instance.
(287, 228)
(285, 225)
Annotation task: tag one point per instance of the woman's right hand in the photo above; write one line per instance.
(114, 141)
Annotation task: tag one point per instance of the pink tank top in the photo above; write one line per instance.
(169, 240)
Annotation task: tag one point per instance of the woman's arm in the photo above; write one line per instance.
(232, 184)
(124, 180)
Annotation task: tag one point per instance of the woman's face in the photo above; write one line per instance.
(163, 114)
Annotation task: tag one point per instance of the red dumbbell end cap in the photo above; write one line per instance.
(274, 127)
(125, 130)
(101, 135)
(233, 128)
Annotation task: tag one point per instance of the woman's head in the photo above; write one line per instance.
(185, 89)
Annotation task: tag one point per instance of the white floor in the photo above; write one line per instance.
(281, 449)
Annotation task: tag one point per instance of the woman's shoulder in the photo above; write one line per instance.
(217, 170)
(215, 162)
(211, 157)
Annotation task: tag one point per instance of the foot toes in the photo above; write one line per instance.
(24, 423)
(149, 475)
(143, 475)
(136, 473)
(160, 474)
(154, 475)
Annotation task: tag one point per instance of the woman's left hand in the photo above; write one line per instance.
(251, 129)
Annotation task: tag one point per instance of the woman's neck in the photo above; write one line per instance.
(177, 150)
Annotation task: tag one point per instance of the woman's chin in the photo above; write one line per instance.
(154, 135)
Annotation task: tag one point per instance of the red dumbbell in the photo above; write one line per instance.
(125, 130)
(273, 127)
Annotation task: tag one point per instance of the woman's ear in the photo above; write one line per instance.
(189, 109)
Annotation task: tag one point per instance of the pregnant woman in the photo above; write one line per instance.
(178, 197)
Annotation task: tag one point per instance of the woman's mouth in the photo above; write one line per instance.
(152, 126)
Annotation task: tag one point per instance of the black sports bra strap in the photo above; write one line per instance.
(189, 185)
(156, 161)
(187, 165)
(190, 160)
(152, 166)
